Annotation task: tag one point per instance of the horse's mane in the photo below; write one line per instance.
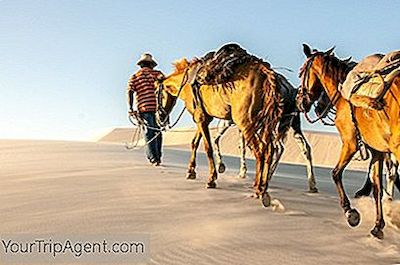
(181, 64)
(337, 68)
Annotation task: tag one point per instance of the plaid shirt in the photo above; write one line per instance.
(142, 82)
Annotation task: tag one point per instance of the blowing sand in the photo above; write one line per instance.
(93, 188)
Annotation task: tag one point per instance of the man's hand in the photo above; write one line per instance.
(132, 112)
(160, 77)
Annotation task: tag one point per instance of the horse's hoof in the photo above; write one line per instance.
(243, 172)
(266, 200)
(191, 175)
(353, 217)
(221, 168)
(376, 232)
(362, 193)
(313, 190)
(211, 185)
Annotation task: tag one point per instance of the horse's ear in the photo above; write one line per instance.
(307, 50)
(328, 52)
(347, 60)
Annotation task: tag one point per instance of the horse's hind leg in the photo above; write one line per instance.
(397, 179)
(191, 174)
(306, 151)
(266, 176)
(366, 188)
(265, 143)
(397, 182)
(392, 180)
(259, 154)
(242, 148)
(377, 163)
(391, 175)
(274, 154)
(279, 148)
(220, 164)
(395, 148)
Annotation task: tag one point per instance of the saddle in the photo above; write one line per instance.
(366, 85)
(218, 67)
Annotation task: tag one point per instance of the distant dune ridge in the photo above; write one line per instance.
(325, 146)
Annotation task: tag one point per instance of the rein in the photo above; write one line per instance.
(329, 109)
(160, 109)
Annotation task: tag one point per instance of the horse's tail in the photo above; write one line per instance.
(272, 107)
(271, 110)
(270, 113)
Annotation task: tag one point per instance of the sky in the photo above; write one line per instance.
(64, 64)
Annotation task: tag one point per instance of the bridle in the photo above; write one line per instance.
(324, 116)
(304, 95)
(161, 111)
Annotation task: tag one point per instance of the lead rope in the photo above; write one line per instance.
(138, 134)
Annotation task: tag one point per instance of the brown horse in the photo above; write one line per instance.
(322, 72)
(391, 164)
(251, 100)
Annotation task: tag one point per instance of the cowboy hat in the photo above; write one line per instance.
(146, 57)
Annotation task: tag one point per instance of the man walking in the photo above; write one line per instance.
(142, 83)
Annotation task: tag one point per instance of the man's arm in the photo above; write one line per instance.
(158, 75)
(130, 93)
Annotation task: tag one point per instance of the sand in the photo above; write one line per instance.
(50, 187)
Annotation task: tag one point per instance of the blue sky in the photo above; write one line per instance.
(64, 64)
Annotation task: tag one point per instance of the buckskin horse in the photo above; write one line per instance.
(391, 164)
(252, 101)
(378, 129)
(290, 120)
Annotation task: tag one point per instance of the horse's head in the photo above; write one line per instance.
(169, 88)
(311, 87)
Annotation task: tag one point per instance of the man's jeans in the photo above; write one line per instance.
(152, 137)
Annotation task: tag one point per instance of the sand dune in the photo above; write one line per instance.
(325, 146)
(95, 188)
